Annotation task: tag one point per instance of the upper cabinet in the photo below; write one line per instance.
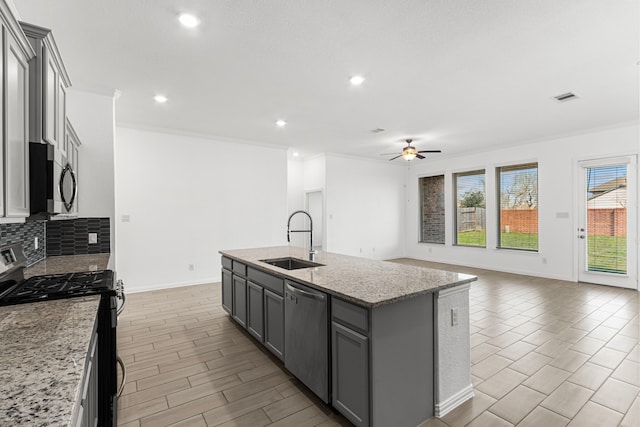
(14, 115)
(48, 82)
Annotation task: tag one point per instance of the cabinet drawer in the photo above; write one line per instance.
(227, 263)
(239, 268)
(268, 281)
(351, 315)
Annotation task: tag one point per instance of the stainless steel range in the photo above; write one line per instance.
(15, 290)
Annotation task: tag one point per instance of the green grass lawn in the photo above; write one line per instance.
(509, 240)
(606, 253)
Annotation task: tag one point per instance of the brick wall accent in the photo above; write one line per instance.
(519, 220)
(607, 222)
(432, 205)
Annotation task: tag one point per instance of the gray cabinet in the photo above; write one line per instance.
(87, 415)
(227, 290)
(350, 361)
(255, 312)
(48, 82)
(239, 311)
(350, 373)
(14, 115)
(274, 323)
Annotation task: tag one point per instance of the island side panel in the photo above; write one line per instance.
(452, 349)
(402, 362)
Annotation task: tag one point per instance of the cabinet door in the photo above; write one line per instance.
(227, 290)
(240, 300)
(61, 115)
(350, 371)
(274, 323)
(16, 128)
(255, 314)
(50, 103)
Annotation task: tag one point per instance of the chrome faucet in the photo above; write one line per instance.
(312, 253)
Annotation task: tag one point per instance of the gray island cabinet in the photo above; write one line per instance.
(398, 335)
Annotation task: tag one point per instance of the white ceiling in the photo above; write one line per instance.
(457, 75)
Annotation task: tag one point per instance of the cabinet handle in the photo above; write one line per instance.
(124, 375)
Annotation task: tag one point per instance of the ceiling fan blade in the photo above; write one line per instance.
(419, 156)
(388, 154)
(430, 151)
(393, 158)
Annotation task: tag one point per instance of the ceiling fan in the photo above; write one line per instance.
(409, 152)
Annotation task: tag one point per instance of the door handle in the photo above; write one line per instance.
(581, 236)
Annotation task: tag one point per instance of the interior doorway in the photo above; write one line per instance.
(607, 222)
(314, 204)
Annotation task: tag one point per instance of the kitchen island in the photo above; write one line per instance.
(398, 336)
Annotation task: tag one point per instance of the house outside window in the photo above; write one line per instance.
(470, 213)
(518, 206)
(432, 228)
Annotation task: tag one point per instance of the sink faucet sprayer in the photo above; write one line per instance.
(312, 253)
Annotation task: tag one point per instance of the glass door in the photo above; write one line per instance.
(607, 225)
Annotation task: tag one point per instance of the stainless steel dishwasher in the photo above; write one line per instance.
(306, 340)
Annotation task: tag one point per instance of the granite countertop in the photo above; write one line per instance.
(43, 347)
(364, 281)
(69, 264)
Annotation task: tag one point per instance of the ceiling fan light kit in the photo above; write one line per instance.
(409, 152)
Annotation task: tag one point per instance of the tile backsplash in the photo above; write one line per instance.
(71, 237)
(26, 233)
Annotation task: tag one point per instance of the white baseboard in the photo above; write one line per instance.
(157, 287)
(443, 408)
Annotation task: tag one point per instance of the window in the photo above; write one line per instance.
(518, 206)
(432, 209)
(470, 213)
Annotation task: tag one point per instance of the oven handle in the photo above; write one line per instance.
(124, 375)
(124, 302)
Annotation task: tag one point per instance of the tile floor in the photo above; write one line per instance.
(544, 353)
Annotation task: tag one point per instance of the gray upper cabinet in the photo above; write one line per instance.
(48, 82)
(14, 113)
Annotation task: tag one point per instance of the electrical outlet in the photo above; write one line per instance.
(191, 267)
(93, 238)
(544, 260)
(454, 317)
(35, 242)
(126, 218)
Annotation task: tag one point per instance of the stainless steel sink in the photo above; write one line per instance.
(290, 263)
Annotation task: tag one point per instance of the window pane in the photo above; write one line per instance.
(470, 208)
(607, 219)
(518, 189)
(432, 209)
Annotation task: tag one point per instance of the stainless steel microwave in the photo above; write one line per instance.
(53, 183)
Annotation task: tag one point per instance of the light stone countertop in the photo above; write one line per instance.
(69, 264)
(364, 281)
(43, 347)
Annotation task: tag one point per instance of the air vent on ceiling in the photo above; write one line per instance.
(377, 130)
(566, 97)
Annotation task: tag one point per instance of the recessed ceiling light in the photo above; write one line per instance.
(281, 123)
(188, 20)
(161, 99)
(296, 154)
(356, 80)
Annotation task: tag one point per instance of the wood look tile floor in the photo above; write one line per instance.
(544, 353)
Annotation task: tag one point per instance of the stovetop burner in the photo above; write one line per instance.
(56, 286)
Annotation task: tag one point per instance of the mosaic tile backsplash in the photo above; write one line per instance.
(26, 234)
(71, 237)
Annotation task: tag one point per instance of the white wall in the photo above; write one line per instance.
(364, 207)
(93, 117)
(558, 190)
(187, 198)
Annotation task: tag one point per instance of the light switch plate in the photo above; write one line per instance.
(454, 317)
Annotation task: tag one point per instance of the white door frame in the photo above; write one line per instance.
(630, 280)
(322, 221)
